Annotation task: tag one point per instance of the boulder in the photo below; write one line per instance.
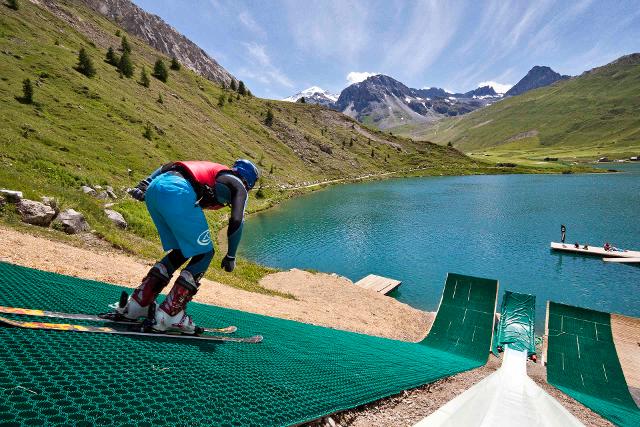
(51, 202)
(35, 213)
(102, 195)
(88, 190)
(71, 222)
(12, 196)
(116, 218)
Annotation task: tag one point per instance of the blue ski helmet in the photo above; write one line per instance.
(247, 171)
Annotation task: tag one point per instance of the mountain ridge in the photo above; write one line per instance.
(536, 77)
(158, 34)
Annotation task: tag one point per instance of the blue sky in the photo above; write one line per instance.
(281, 47)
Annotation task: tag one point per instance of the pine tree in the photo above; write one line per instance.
(85, 65)
(13, 4)
(230, 99)
(249, 94)
(125, 66)
(233, 85)
(271, 170)
(144, 77)
(124, 45)
(302, 100)
(118, 33)
(148, 132)
(242, 90)
(160, 99)
(160, 71)
(372, 153)
(269, 119)
(221, 100)
(111, 57)
(175, 65)
(27, 92)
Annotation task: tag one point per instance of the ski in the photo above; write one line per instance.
(107, 317)
(108, 330)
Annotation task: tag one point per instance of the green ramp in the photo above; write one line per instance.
(582, 362)
(300, 372)
(467, 306)
(517, 323)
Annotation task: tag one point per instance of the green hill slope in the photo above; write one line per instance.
(84, 130)
(595, 114)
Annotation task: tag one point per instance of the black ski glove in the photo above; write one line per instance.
(228, 263)
(138, 191)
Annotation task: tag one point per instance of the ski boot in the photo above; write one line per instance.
(171, 315)
(145, 295)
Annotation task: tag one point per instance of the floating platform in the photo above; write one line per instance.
(625, 260)
(380, 284)
(594, 250)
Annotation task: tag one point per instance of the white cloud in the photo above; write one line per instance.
(331, 28)
(358, 76)
(247, 20)
(262, 68)
(498, 87)
(423, 38)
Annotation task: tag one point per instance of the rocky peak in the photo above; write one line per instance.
(538, 76)
(163, 37)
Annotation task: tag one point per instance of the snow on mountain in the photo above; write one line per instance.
(314, 95)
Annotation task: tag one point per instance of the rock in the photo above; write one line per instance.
(102, 195)
(98, 187)
(71, 222)
(3, 201)
(51, 202)
(88, 190)
(116, 218)
(12, 196)
(111, 193)
(35, 213)
(108, 205)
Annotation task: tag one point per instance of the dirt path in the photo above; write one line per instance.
(321, 299)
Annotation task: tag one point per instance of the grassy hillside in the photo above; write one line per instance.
(84, 130)
(595, 114)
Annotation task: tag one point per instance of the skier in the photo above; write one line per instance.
(175, 195)
(563, 232)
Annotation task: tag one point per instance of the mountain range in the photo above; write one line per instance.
(596, 114)
(386, 103)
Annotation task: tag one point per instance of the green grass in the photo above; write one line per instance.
(90, 131)
(596, 114)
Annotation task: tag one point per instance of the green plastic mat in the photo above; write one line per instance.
(298, 373)
(582, 362)
(517, 323)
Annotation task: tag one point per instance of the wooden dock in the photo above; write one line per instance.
(594, 250)
(380, 284)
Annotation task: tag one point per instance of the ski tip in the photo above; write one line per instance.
(229, 329)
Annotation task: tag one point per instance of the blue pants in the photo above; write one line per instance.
(181, 224)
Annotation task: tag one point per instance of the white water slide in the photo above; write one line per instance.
(506, 397)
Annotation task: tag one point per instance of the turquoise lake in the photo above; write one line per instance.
(499, 226)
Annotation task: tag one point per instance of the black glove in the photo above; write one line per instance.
(138, 191)
(228, 263)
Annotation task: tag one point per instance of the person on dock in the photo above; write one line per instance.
(563, 232)
(175, 195)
